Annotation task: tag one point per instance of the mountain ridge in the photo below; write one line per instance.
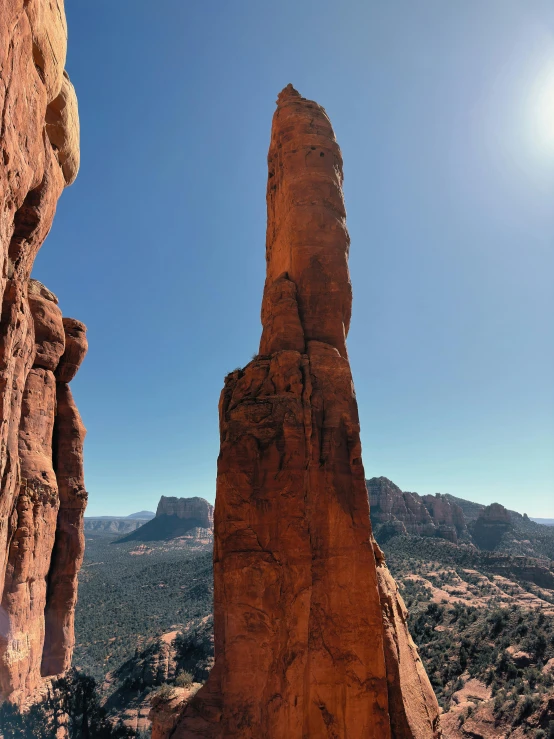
(490, 528)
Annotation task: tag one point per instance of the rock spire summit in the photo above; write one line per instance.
(287, 93)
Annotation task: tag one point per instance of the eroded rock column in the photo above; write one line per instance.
(310, 631)
(69, 546)
(45, 530)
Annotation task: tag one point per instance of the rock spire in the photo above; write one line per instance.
(310, 630)
(42, 495)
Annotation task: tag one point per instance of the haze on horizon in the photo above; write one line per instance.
(445, 117)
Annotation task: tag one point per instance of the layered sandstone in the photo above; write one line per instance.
(39, 141)
(395, 512)
(310, 630)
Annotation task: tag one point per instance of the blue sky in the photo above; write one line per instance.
(445, 115)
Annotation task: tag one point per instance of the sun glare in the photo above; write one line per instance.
(542, 110)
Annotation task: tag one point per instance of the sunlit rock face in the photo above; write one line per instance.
(39, 141)
(310, 630)
(45, 534)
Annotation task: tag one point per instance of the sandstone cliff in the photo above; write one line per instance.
(394, 512)
(310, 631)
(41, 491)
(490, 526)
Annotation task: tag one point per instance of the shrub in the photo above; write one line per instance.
(165, 693)
(183, 679)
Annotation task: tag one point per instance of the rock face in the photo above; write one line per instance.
(394, 512)
(490, 526)
(45, 530)
(188, 508)
(39, 139)
(310, 631)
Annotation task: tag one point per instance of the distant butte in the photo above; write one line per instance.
(176, 517)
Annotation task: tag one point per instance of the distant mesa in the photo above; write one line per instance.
(175, 517)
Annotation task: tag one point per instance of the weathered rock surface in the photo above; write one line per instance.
(33, 45)
(394, 512)
(69, 547)
(76, 347)
(310, 631)
(48, 323)
(164, 713)
(45, 529)
(31, 536)
(62, 128)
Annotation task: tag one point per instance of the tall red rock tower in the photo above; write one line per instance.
(42, 495)
(310, 631)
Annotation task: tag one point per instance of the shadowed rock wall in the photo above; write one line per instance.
(310, 630)
(39, 141)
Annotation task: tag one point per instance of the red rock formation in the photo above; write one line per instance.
(492, 523)
(69, 548)
(448, 517)
(191, 518)
(394, 512)
(39, 142)
(310, 632)
(31, 533)
(195, 508)
(45, 528)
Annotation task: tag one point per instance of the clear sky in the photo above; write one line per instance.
(445, 115)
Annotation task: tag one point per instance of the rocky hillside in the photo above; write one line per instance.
(158, 647)
(131, 594)
(485, 632)
(154, 622)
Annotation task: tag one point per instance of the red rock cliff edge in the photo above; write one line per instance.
(41, 488)
(310, 630)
